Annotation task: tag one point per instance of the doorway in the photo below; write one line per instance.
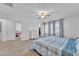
(18, 31)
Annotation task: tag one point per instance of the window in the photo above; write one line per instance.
(57, 30)
(46, 29)
(52, 28)
(42, 30)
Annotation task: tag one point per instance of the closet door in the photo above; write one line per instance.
(10, 30)
(4, 31)
(0, 30)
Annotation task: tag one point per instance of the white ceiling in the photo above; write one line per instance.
(29, 10)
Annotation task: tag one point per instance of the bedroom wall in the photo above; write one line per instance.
(71, 27)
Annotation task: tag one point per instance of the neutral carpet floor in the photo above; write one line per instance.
(16, 48)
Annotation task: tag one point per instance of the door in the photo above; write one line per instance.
(10, 30)
(0, 30)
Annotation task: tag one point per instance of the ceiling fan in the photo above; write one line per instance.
(43, 14)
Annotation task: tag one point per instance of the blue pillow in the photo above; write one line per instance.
(70, 46)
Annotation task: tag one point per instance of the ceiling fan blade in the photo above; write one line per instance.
(39, 17)
(48, 15)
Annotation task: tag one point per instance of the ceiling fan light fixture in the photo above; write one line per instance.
(43, 14)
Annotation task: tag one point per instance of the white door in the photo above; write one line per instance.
(10, 30)
(0, 30)
(18, 30)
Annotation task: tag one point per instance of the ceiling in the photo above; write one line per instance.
(22, 11)
(8, 4)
